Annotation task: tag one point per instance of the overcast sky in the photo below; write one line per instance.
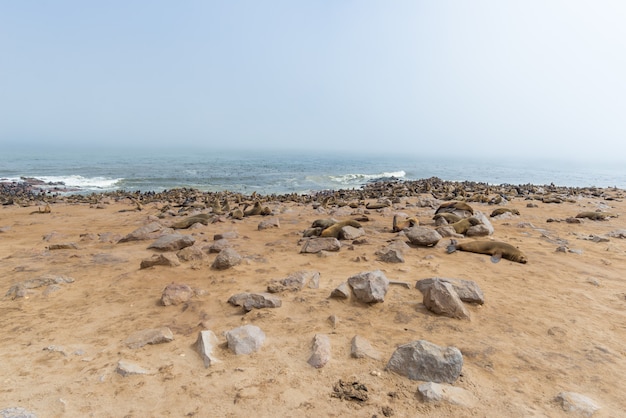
(461, 78)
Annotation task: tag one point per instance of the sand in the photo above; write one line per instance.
(556, 324)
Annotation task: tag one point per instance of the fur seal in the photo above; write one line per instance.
(378, 205)
(202, 218)
(596, 216)
(448, 216)
(324, 223)
(454, 206)
(495, 249)
(237, 214)
(500, 211)
(255, 210)
(334, 230)
(406, 223)
(463, 225)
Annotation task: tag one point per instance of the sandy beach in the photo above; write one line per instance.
(555, 324)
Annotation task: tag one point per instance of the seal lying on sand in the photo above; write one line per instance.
(406, 223)
(495, 249)
(454, 207)
(202, 218)
(448, 216)
(500, 211)
(334, 230)
(463, 225)
(596, 216)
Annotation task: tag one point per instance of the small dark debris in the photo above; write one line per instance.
(351, 391)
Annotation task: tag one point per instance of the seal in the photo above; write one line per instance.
(448, 216)
(203, 218)
(334, 230)
(324, 223)
(500, 211)
(255, 210)
(596, 216)
(406, 223)
(454, 206)
(463, 225)
(495, 249)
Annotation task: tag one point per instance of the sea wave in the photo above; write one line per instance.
(351, 179)
(83, 183)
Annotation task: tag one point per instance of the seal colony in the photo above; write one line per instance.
(536, 320)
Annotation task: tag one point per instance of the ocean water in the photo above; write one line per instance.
(290, 172)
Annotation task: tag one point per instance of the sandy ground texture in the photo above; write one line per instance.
(556, 324)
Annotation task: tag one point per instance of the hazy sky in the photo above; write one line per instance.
(538, 77)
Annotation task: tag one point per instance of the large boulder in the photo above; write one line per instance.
(369, 286)
(425, 237)
(423, 360)
(442, 299)
(468, 290)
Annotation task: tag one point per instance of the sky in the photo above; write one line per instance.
(453, 78)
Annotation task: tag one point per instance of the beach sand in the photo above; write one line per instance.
(556, 324)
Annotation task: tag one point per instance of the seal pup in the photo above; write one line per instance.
(334, 230)
(495, 249)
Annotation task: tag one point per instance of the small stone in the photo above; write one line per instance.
(172, 242)
(435, 392)
(126, 368)
(175, 294)
(168, 260)
(577, 403)
(149, 336)
(268, 224)
(341, 292)
(360, 348)
(369, 286)
(316, 245)
(245, 339)
(423, 360)
(206, 343)
(226, 259)
(321, 351)
(251, 301)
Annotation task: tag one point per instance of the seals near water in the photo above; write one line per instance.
(596, 216)
(495, 249)
(500, 211)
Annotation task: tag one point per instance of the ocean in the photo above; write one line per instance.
(267, 172)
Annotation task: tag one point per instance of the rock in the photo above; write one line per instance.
(423, 360)
(391, 255)
(577, 403)
(16, 412)
(149, 336)
(175, 294)
(268, 224)
(295, 282)
(21, 289)
(226, 235)
(226, 259)
(63, 246)
(478, 231)
(369, 286)
(484, 220)
(316, 245)
(169, 260)
(251, 301)
(442, 299)
(192, 253)
(467, 290)
(217, 246)
(350, 233)
(321, 351)
(146, 232)
(618, 233)
(447, 231)
(126, 368)
(205, 344)
(360, 348)
(245, 339)
(435, 392)
(172, 242)
(426, 237)
(341, 292)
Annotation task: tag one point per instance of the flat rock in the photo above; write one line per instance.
(295, 282)
(442, 299)
(149, 336)
(146, 232)
(391, 255)
(419, 235)
(316, 245)
(227, 258)
(21, 289)
(423, 360)
(320, 351)
(341, 292)
(268, 224)
(192, 253)
(217, 246)
(251, 301)
(206, 344)
(360, 348)
(577, 403)
(245, 339)
(172, 242)
(175, 294)
(468, 290)
(436, 392)
(226, 235)
(618, 233)
(16, 412)
(168, 260)
(369, 286)
(126, 368)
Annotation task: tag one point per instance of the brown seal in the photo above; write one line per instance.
(448, 216)
(454, 206)
(255, 210)
(596, 216)
(203, 218)
(406, 223)
(500, 211)
(463, 225)
(495, 249)
(334, 230)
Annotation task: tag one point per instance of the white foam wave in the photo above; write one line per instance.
(76, 181)
(362, 178)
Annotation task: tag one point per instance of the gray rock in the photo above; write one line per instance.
(618, 233)
(226, 259)
(168, 260)
(126, 368)
(468, 290)
(16, 412)
(419, 235)
(316, 245)
(146, 232)
(484, 220)
(447, 231)
(206, 344)
(360, 348)
(341, 292)
(245, 339)
(478, 231)
(192, 253)
(295, 282)
(226, 235)
(369, 286)
(251, 301)
(391, 255)
(217, 246)
(442, 299)
(268, 224)
(149, 336)
(63, 246)
(423, 360)
(436, 392)
(175, 294)
(321, 351)
(21, 289)
(577, 403)
(349, 233)
(172, 242)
